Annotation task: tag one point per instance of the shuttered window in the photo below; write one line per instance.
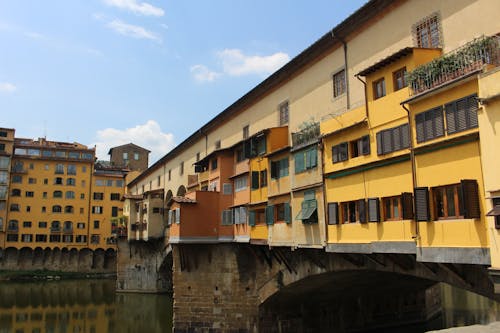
(429, 124)
(461, 114)
(279, 168)
(255, 180)
(309, 208)
(240, 215)
(251, 218)
(177, 215)
(305, 159)
(227, 217)
(373, 210)
(362, 210)
(339, 152)
(360, 146)
(393, 139)
(288, 212)
(270, 215)
(333, 213)
(407, 205)
(421, 195)
(457, 200)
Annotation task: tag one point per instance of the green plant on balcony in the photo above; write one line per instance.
(308, 131)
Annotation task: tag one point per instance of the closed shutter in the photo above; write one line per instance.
(333, 213)
(227, 189)
(387, 141)
(362, 210)
(247, 148)
(227, 217)
(243, 215)
(300, 164)
(170, 216)
(335, 154)
(407, 203)
(373, 210)
(283, 167)
(419, 123)
(270, 215)
(312, 155)
(451, 126)
(470, 197)
(365, 145)
(396, 138)
(405, 136)
(438, 122)
(236, 214)
(274, 170)
(177, 215)
(262, 145)
(251, 218)
(472, 111)
(255, 180)
(461, 114)
(379, 143)
(288, 213)
(343, 151)
(421, 204)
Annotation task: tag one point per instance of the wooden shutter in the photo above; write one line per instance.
(396, 138)
(421, 195)
(251, 218)
(343, 151)
(361, 210)
(300, 162)
(255, 180)
(288, 213)
(333, 213)
(365, 145)
(405, 136)
(274, 170)
(387, 141)
(419, 124)
(270, 215)
(236, 214)
(461, 114)
(379, 143)
(438, 122)
(451, 126)
(472, 111)
(312, 156)
(373, 210)
(407, 203)
(177, 215)
(247, 148)
(335, 154)
(470, 197)
(170, 216)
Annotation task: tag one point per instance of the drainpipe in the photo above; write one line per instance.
(413, 166)
(346, 68)
(325, 203)
(366, 95)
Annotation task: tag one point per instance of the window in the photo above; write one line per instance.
(68, 226)
(55, 226)
(360, 146)
(82, 210)
(263, 178)
(95, 239)
(17, 179)
(30, 194)
(71, 169)
(308, 213)
(14, 208)
(429, 124)
(2, 146)
(69, 209)
(339, 84)
(217, 144)
(82, 195)
(256, 146)
(426, 33)
(461, 114)
(96, 209)
(227, 217)
(240, 183)
(4, 162)
(283, 212)
(40, 238)
(240, 215)
(56, 209)
(96, 224)
(156, 210)
(12, 237)
(67, 238)
(158, 181)
(279, 168)
(28, 209)
(399, 79)
(45, 181)
(31, 166)
(3, 134)
(99, 182)
(306, 159)
(240, 154)
(119, 183)
(80, 225)
(392, 208)
(27, 224)
(354, 211)
(246, 132)
(58, 181)
(213, 164)
(136, 156)
(59, 169)
(181, 168)
(379, 88)
(18, 166)
(393, 139)
(169, 175)
(81, 238)
(98, 196)
(114, 211)
(84, 169)
(3, 192)
(57, 194)
(71, 182)
(15, 192)
(13, 225)
(283, 114)
(109, 183)
(42, 224)
(55, 238)
(31, 180)
(70, 195)
(60, 154)
(339, 152)
(4, 176)
(74, 155)
(115, 196)
(125, 156)
(28, 238)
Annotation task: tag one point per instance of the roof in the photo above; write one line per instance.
(332, 38)
(133, 196)
(130, 145)
(385, 61)
(182, 200)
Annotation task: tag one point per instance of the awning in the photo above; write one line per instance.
(494, 212)
(308, 208)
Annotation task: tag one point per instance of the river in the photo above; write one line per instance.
(93, 306)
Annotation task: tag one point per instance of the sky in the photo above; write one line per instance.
(109, 72)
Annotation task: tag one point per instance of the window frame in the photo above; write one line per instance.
(397, 75)
(283, 113)
(379, 84)
(339, 83)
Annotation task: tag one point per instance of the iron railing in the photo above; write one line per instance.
(307, 134)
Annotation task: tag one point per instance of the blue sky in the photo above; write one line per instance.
(108, 72)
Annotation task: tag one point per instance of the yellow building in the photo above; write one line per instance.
(56, 196)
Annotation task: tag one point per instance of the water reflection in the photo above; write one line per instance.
(89, 306)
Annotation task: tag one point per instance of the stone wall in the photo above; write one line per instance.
(83, 261)
(144, 266)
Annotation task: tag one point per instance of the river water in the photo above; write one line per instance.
(93, 306)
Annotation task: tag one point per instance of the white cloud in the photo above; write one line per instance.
(34, 35)
(133, 31)
(235, 63)
(7, 87)
(202, 73)
(148, 135)
(141, 8)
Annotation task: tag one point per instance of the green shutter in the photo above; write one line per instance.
(283, 167)
(251, 218)
(299, 162)
(255, 180)
(270, 215)
(313, 158)
(288, 213)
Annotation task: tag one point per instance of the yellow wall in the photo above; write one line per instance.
(308, 235)
(260, 194)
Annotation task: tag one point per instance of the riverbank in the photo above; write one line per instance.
(48, 275)
(490, 328)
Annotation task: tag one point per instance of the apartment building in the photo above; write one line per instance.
(377, 121)
(54, 195)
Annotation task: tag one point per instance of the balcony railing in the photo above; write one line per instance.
(456, 64)
(309, 132)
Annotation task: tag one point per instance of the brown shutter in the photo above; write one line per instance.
(335, 154)
(396, 138)
(451, 126)
(438, 122)
(461, 114)
(379, 143)
(362, 210)
(407, 203)
(421, 204)
(472, 111)
(387, 141)
(419, 120)
(333, 213)
(470, 197)
(405, 136)
(373, 210)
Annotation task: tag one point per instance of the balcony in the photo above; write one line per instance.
(466, 60)
(309, 133)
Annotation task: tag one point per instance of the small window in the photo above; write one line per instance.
(392, 207)
(31, 180)
(279, 168)
(340, 152)
(393, 139)
(56, 209)
(136, 156)
(125, 156)
(360, 146)
(426, 33)
(448, 202)
(96, 224)
(263, 178)
(339, 84)
(213, 164)
(379, 88)
(283, 114)
(42, 224)
(30, 194)
(181, 168)
(71, 170)
(70, 195)
(399, 78)
(27, 224)
(217, 144)
(169, 175)
(354, 211)
(59, 169)
(305, 159)
(461, 114)
(115, 196)
(240, 183)
(114, 211)
(57, 194)
(246, 132)
(429, 124)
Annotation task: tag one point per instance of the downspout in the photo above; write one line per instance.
(413, 166)
(346, 68)
(366, 95)
(325, 203)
